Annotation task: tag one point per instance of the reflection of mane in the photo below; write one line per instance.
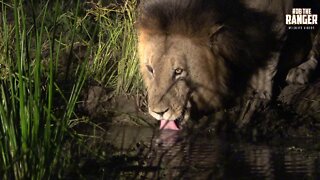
(242, 39)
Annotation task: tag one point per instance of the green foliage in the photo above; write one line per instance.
(31, 132)
(115, 62)
(40, 82)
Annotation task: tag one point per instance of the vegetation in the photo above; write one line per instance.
(41, 75)
(116, 47)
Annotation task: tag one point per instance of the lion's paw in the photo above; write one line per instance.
(298, 75)
(302, 73)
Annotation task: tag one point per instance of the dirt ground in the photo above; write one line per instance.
(296, 113)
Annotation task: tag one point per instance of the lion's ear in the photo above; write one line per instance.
(214, 31)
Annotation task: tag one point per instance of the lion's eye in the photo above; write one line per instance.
(150, 69)
(178, 71)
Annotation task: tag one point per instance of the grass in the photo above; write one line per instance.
(116, 47)
(36, 108)
(31, 134)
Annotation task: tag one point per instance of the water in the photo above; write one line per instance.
(180, 156)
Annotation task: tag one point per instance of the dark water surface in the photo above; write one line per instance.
(178, 156)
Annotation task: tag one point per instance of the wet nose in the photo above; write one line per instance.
(161, 113)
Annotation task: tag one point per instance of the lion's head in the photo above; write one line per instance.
(177, 70)
(185, 52)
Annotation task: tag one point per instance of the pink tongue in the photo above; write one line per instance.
(164, 124)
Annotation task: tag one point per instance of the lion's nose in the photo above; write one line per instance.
(161, 113)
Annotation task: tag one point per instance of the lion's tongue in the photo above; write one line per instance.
(165, 124)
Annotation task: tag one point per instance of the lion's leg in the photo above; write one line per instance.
(302, 73)
(261, 82)
(260, 91)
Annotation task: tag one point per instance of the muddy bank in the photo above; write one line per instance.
(303, 99)
(296, 113)
(102, 104)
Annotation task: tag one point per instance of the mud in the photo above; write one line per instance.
(296, 113)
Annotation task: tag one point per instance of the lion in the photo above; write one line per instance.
(201, 55)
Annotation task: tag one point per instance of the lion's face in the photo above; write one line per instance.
(177, 70)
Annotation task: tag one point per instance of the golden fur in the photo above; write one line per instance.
(202, 53)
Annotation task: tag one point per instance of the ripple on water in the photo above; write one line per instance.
(181, 156)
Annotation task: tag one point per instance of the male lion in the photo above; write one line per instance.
(202, 54)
